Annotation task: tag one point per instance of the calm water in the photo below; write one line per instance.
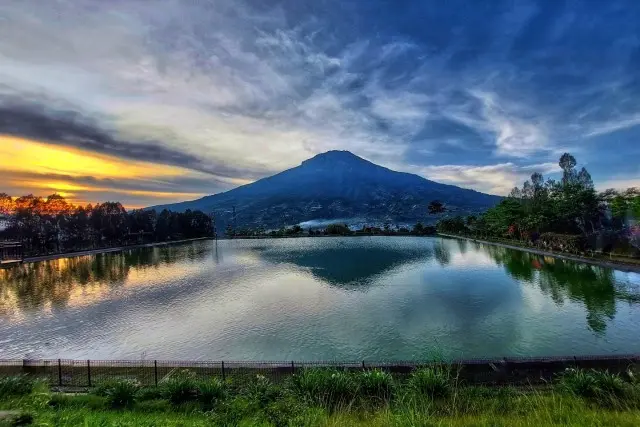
(372, 298)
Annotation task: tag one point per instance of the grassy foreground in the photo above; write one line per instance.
(430, 397)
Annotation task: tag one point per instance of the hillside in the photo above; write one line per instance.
(336, 185)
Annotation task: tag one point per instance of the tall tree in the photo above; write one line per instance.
(436, 207)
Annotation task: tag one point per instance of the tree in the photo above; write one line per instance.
(436, 207)
(7, 205)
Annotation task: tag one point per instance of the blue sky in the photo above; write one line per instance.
(201, 96)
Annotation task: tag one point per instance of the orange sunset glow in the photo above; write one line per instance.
(31, 167)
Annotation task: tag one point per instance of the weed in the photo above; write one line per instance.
(432, 382)
(18, 385)
(211, 392)
(375, 384)
(180, 390)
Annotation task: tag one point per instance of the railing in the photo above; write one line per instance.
(506, 371)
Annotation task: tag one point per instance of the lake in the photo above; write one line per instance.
(353, 298)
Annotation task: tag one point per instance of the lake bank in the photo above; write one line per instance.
(616, 265)
(108, 250)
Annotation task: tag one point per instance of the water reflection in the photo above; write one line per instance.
(52, 283)
(347, 265)
(596, 288)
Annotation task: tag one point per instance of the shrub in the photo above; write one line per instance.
(604, 388)
(211, 392)
(180, 390)
(18, 385)
(375, 384)
(432, 382)
(150, 393)
(562, 242)
(325, 386)
(122, 394)
(262, 391)
(23, 419)
(88, 401)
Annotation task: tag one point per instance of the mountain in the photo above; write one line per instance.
(336, 185)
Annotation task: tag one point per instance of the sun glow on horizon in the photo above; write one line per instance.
(37, 168)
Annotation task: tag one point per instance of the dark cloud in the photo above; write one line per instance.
(73, 129)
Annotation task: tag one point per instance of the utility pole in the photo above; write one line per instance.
(234, 220)
(212, 217)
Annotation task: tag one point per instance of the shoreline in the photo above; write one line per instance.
(107, 250)
(622, 266)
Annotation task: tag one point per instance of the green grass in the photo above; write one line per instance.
(325, 397)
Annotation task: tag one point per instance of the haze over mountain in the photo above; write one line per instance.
(331, 186)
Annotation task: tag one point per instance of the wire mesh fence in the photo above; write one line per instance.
(66, 373)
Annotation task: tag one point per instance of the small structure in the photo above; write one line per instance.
(11, 253)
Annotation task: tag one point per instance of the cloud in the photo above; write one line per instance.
(493, 179)
(240, 90)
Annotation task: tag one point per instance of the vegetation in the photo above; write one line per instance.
(337, 229)
(566, 215)
(327, 397)
(54, 225)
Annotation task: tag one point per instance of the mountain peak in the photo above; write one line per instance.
(333, 156)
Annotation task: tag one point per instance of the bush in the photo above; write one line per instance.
(211, 392)
(150, 393)
(432, 382)
(122, 394)
(18, 385)
(326, 387)
(180, 390)
(375, 384)
(602, 387)
(88, 401)
(23, 419)
(261, 391)
(562, 242)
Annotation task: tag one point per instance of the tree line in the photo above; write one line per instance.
(52, 224)
(336, 229)
(567, 214)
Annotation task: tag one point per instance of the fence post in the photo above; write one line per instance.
(293, 368)
(223, 376)
(363, 367)
(59, 373)
(155, 371)
(89, 372)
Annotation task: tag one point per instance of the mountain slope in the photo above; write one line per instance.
(335, 185)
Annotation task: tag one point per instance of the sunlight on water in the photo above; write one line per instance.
(320, 298)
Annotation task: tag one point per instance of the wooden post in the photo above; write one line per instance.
(59, 373)
(89, 372)
(155, 371)
(363, 367)
(223, 375)
(293, 368)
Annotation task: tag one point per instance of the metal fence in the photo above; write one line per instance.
(506, 371)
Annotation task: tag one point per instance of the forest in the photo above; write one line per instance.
(565, 215)
(53, 225)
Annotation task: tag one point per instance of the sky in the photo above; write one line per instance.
(150, 102)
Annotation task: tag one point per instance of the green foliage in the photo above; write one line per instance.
(375, 384)
(180, 388)
(338, 229)
(54, 225)
(21, 419)
(433, 382)
(18, 385)
(602, 387)
(66, 401)
(121, 394)
(262, 391)
(562, 242)
(326, 387)
(149, 393)
(211, 392)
